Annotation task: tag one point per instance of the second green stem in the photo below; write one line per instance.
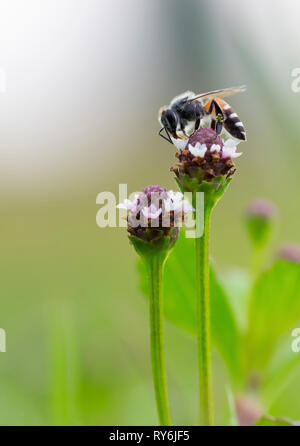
(203, 319)
(155, 270)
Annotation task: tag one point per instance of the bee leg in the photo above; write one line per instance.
(199, 113)
(183, 123)
(219, 116)
(219, 125)
(197, 124)
(163, 136)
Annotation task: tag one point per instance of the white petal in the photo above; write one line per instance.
(215, 148)
(168, 205)
(135, 198)
(198, 149)
(230, 143)
(155, 214)
(177, 197)
(194, 151)
(177, 206)
(127, 204)
(174, 195)
(231, 152)
(122, 206)
(151, 212)
(236, 155)
(146, 212)
(203, 149)
(227, 151)
(180, 144)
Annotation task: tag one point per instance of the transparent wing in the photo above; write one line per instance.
(204, 97)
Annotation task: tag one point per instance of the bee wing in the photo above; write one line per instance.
(205, 97)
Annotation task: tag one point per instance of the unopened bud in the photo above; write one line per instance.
(290, 252)
(259, 217)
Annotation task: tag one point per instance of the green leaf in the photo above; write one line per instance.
(267, 420)
(236, 284)
(180, 303)
(274, 310)
(282, 368)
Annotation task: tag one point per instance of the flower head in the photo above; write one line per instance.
(206, 157)
(290, 252)
(248, 410)
(155, 214)
(206, 164)
(261, 209)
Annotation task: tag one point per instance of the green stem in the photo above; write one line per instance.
(155, 269)
(203, 317)
(257, 257)
(64, 364)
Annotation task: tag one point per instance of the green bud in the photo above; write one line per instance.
(160, 246)
(259, 220)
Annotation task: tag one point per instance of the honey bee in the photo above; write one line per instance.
(188, 112)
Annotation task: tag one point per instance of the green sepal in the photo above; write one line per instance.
(160, 247)
(213, 189)
(259, 230)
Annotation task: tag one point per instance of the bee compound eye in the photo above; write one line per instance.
(171, 119)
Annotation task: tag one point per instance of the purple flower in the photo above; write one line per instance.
(206, 136)
(155, 212)
(290, 252)
(261, 209)
(248, 410)
(206, 156)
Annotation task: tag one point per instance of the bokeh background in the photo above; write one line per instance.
(84, 82)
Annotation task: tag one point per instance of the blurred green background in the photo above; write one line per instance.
(84, 82)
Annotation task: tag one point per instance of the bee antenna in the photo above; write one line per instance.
(163, 136)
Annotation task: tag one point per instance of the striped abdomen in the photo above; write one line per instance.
(232, 122)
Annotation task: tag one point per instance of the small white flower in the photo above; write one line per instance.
(230, 143)
(151, 212)
(177, 206)
(164, 204)
(168, 205)
(127, 204)
(175, 195)
(229, 149)
(180, 144)
(215, 148)
(198, 149)
(176, 198)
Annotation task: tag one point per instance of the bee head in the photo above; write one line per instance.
(169, 120)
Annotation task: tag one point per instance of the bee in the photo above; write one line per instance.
(188, 112)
